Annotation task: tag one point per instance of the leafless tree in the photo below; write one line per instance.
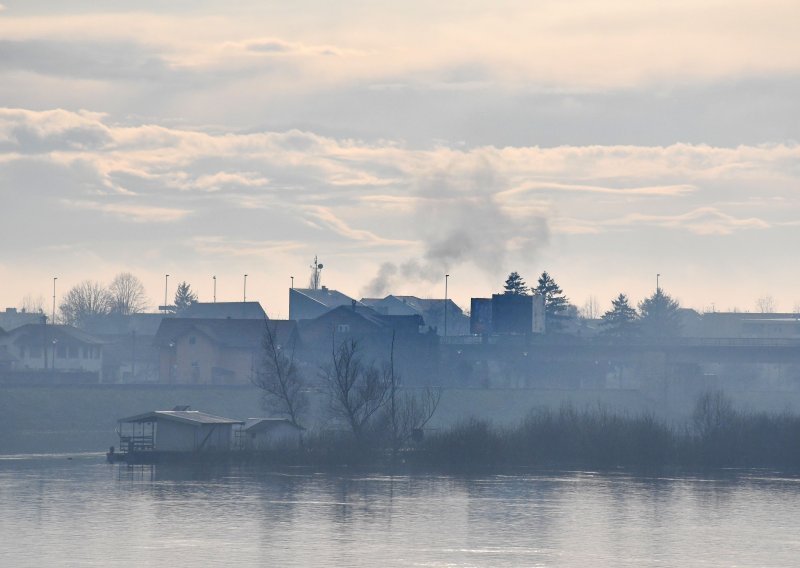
(32, 305)
(279, 379)
(83, 301)
(127, 295)
(357, 390)
(407, 412)
(590, 309)
(766, 304)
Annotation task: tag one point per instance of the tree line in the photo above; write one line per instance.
(124, 295)
(657, 315)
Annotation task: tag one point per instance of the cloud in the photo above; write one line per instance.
(215, 193)
(130, 212)
(700, 221)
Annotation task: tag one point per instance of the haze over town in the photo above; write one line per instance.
(604, 143)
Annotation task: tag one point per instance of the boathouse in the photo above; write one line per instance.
(262, 434)
(178, 430)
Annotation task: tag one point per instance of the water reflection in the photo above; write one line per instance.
(60, 512)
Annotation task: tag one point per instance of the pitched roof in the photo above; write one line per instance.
(241, 333)
(258, 424)
(326, 297)
(38, 333)
(193, 417)
(224, 310)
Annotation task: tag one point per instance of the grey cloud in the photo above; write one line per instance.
(84, 59)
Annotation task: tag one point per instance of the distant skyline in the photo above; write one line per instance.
(604, 142)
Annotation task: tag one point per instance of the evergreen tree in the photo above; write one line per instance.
(659, 315)
(555, 302)
(620, 320)
(184, 297)
(515, 285)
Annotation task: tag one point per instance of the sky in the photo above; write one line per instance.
(604, 142)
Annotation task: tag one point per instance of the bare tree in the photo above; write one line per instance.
(83, 301)
(32, 305)
(591, 309)
(407, 413)
(279, 379)
(766, 304)
(127, 295)
(357, 390)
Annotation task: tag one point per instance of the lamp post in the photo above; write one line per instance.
(292, 277)
(166, 283)
(53, 321)
(244, 293)
(657, 277)
(215, 288)
(446, 277)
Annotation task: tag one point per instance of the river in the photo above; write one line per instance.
(76, 510)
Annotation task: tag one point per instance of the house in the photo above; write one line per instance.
(216, 351)
(271, 434)
(224, 310)
(53, 348)
(432, 312)
(310, 303)
(378, 336)
(12, 318)
(129, 354)
(177, 430)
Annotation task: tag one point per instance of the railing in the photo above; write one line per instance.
(129, 444)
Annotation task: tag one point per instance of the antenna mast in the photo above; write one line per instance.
(316, 275)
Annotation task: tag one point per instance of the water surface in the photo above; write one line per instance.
(79, 511)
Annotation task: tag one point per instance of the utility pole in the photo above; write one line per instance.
(446, 277)
(53, 321)
(166, 283)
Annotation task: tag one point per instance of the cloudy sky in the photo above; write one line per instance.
(604, 142)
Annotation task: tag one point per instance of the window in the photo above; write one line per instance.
(343, 328)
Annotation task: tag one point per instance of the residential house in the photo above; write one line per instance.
(378, 336)
(53, 348)
(310, 303)
(129, 355)
(224, 310)
(432, 312)
(12, 318)
(216, 351)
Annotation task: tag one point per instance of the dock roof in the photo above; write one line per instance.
(193, 417)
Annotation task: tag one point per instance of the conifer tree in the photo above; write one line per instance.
(515, 285)
(184, 297)
(620, 320)
(555, 302)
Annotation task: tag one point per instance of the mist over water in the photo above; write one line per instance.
(56, 511)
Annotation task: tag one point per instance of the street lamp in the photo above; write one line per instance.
(244, 293)
(657, 277)
(292, 277)
(53, 321)
(446, 277)
(215, 288)
(166, 283)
